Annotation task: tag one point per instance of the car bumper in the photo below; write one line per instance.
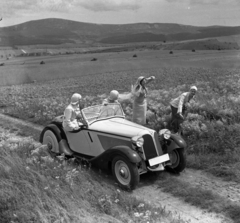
(159, 159)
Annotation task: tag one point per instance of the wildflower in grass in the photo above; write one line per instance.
(47, 159)
(61, 157)
(137, 214)
(71, 175)
(35, 151)
(29, 161)
(140, 205)
(105, 203)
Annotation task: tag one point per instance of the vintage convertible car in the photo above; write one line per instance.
(108, 140)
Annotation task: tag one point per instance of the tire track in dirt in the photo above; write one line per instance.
(227, 189)
(178, 208)
(155, 196)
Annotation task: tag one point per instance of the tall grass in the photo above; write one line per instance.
(34, 187)
(211, 127)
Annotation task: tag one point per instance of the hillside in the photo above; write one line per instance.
(60, 31)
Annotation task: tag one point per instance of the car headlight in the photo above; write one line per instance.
(165, 133)
(138, 141)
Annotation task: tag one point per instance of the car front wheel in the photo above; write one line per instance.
(178, 161)
(50, 139)
(125, 173)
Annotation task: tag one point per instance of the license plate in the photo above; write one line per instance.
(159, 159)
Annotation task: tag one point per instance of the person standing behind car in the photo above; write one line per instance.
(112, 98)
(72, 113)
(139, 93)
(178, 107)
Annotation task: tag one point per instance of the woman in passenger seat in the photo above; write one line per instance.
(72, 114)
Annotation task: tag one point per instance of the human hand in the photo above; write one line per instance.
(84, 123)
(153, 77)
(76, 128)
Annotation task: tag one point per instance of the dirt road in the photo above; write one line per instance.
(152, 193)
(155, 196)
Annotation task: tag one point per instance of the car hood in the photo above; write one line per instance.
(120, 126)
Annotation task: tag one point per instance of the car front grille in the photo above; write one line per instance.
(159, 147)
(149, 147)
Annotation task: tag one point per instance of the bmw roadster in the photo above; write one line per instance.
(110, 141)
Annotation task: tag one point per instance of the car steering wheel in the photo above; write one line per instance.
(108, 113)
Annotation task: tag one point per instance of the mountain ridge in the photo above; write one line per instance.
(60, 31)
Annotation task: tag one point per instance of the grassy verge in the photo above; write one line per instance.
(211, 127)
(36, 188)
(198, 197)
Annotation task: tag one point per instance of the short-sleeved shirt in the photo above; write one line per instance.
(180, 101)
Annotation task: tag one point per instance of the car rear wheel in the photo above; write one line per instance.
(125, 173)
(50, 139)
(178, 160)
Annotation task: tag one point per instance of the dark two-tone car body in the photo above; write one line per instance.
(109, 141)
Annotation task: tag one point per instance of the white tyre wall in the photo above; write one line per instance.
(50, 138)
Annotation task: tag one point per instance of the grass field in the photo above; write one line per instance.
(40, 92)
(212, 124)
(20, 70)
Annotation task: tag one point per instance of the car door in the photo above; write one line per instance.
(79, 142)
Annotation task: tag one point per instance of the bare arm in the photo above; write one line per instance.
(149, 79)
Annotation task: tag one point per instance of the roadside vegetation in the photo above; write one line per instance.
(211, 128)
(34, 187)
(60, 187)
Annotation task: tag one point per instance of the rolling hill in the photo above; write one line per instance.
(60, 31)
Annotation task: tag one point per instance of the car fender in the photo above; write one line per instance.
(55, 129)
(61, 138)
(104, 159)
(176, 142)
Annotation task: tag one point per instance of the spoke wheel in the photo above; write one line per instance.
(50, 139)
(125, 173)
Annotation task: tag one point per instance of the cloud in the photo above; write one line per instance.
(56, 5)
(110, 5)
(10, 8)
(205, 2)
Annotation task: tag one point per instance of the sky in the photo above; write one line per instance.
(185, 12)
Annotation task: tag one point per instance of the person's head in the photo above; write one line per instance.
(141, 80)
(113, 96)
(193, 90)
(75, 99)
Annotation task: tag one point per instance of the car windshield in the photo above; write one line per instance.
(102, 111)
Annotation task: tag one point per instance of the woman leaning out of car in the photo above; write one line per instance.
(72, 114)
(139, 93)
